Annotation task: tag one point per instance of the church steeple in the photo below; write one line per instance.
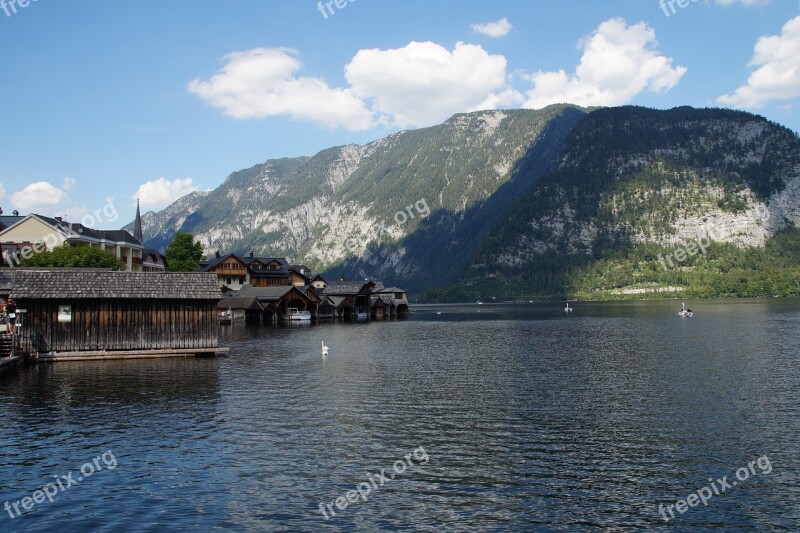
(137, 225)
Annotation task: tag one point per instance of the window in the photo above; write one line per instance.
(227, 281)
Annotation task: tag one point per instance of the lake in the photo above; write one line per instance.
(465, 417)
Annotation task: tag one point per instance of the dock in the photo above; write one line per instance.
(55, 357)
(8, 363)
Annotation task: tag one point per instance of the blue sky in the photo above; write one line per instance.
(106, 99)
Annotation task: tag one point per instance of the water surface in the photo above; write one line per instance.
(527, 418)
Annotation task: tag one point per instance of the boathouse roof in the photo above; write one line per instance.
(234, 302)
(265, 293)
(390, 289)
(348, 288)
(106, 284)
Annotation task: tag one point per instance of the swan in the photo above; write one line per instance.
(324, 350)
(568, 309)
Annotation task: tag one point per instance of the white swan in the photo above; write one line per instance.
(324, 350)
(568, 309)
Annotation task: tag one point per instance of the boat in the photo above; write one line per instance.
(685, 313)
(362, 315)
(226, 317)
(297, 315)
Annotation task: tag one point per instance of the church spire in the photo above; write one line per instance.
(137, 225)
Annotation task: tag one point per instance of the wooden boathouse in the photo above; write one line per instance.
(83, 314)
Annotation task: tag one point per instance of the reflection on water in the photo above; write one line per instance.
(530, 417)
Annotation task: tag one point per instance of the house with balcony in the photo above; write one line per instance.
(38, 233)
(231, 270)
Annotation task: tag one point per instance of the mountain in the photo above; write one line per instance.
(517, 203)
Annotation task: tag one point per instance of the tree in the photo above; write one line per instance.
(184, 253)
(68, 257)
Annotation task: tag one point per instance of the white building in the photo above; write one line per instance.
(36, 233)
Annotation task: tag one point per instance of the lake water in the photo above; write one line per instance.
(491, 417)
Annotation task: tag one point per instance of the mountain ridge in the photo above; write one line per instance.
(506, 188)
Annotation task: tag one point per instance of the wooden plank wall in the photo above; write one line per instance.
(122, 325)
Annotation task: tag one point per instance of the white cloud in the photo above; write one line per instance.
(424, 83)
(38, 196)
(68, 184)
(261, 83)
(2, 191)
(777, 76)
(158, 194)
(494, 29)
(618, 63)
(76, 213)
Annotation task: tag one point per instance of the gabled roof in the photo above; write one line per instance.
(210, 265)
(236, 302)
(77, 230)
(266, 260)
(10, 220)
(338, 301)
(390, 289)
(385, 299)
(65, 283)
(347, 288)
(267, 294)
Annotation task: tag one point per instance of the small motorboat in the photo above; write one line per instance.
(226, 317)
(297, 315)
(685, 313)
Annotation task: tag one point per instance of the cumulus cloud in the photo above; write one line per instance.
(262, 83)
(494, 29)
(777, 71)
(68, 184)
(619, 62)
(158, 194)
(39, 195)
(75, 213)
(423, 83)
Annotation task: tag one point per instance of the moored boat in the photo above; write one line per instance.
(297, 315)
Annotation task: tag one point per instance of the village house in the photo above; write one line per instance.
(236, 272)
(232, 272)
(36, 233)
